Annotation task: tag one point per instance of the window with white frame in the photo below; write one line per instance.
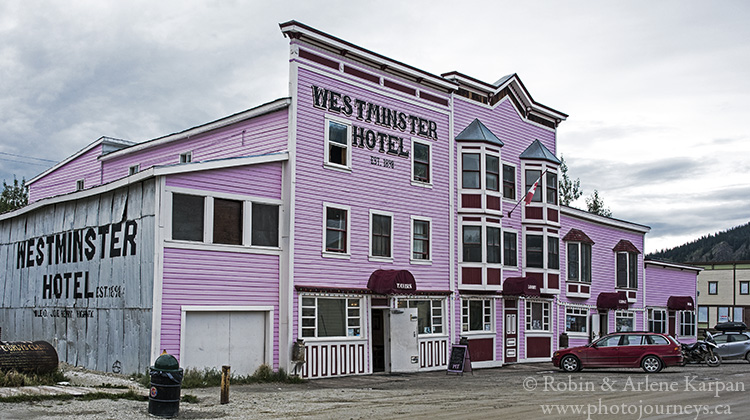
(476, 315)
(381, 231)
(579, 262)
(687, 323)
(551, 188)
(723, 313)
(331, 317)
(537, 316)
(429, 314)
(627, 270)
(535, 250)
(421, 239)
(624, 321)
(186, 157)
(134, 169)
(80, 184)
(531, 176)
(509, 182)
(510, 249)
(336, 229)
(553, 252)
(576, 320)
(657, 320)
(472, 244)
(494, 255)
(492, 172)
(338, 152)
(471, 171)
(228, 221)
(421, 158)
(188, 217)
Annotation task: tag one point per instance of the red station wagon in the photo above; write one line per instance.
(650, 351)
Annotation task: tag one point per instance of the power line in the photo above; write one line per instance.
(28, 157)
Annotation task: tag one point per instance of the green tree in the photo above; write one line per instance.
(570, 190)
(14, 196)
(595, 205)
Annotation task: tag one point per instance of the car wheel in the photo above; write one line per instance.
(570, 363)
(651, 364)
(747, 356)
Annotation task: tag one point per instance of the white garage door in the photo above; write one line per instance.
(216, 338)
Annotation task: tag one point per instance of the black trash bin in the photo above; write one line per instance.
(166, 381)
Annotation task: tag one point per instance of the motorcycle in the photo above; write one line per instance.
(701, 351)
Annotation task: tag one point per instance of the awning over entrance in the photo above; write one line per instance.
(680, 303)
(615, 300)
(388, 282)
(516, 286)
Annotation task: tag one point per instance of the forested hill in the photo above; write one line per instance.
(730, 245)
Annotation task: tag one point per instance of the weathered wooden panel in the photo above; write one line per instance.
(79, 274)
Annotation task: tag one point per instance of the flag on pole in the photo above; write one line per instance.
(532, 190)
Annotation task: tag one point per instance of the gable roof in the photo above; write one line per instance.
(537, 150)
(476, 131)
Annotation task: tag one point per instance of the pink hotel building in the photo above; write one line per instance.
(368, 213)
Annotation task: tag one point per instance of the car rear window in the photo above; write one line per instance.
(657, 340)
(738, 337)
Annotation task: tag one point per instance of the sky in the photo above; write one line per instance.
(656, 91)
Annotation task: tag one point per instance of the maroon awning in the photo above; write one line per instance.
(680, 303)
(517, 286)
(615, 300)
(388, 282)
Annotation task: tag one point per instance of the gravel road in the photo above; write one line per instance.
(530, 391)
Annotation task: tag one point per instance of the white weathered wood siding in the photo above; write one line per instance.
(104, 324)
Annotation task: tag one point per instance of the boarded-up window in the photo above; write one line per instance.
(187, 217)
(227, 222)
(265, 225)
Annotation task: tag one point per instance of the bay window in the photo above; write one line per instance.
(470, 167)
(472, 244)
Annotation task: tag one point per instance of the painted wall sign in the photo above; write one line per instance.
(380, 115)
(78, 245)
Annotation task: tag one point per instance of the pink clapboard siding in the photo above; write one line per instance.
(63, 179)
(263, 134)
(213, 278)
(262, 180)
(603, 270)
(367, 187)
(663, 282)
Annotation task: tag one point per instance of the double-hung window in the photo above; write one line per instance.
(471, 171)
(579, 262)
(551, 188)
(532, 176)
(535, 251)
(537, 316)
(492, 173)
(421, 239)
(336, 230)
(472, 244)
(657, 320)
(421, 158)
(493, 245)
(509, 182)
(429, 314)
(510, 249)
(627, 270)
(476, 315)
(331, 317)
(338, 152)
(382, 231)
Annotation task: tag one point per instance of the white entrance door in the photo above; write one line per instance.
(212, 339)
(404, 348)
